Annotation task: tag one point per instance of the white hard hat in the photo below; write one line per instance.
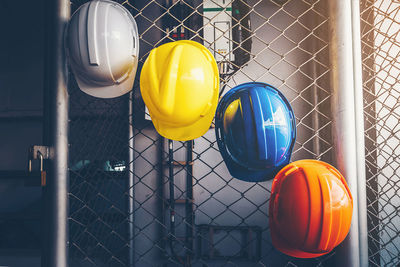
(102, 44)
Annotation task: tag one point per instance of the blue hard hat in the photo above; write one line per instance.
(256, 131)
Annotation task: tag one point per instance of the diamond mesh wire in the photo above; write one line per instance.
(380, 27)
(120, 185)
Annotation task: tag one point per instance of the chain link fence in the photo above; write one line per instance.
(125, 178)
(380, 27)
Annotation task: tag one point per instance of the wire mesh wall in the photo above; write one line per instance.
(125, 178)
(380, 27)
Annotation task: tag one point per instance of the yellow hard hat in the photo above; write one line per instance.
(179, 83)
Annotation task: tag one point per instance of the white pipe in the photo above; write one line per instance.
(360, 137)
(56, 103)
(343, 117)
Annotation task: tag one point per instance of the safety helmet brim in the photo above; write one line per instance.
(251, 175)
(106, 91)
(188, 132)
(281, 245)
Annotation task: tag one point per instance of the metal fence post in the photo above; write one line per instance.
(346, 89)
(56, 136)
(131, 184)
(360, 135)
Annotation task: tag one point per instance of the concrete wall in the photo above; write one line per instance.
(282, 52)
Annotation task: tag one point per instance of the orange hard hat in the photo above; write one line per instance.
(310, 209)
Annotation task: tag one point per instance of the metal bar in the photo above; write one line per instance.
(18, 175)
(22, 215)
(371, 153)
(161, 194)
(343, 117)
(55, 252)
(172, 232)
(131, 184)
(360, 138)
(315, 97)
(189, 202)
(171, 194)
(29, 179)
(14, 116)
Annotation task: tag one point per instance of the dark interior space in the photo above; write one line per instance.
(21, 108)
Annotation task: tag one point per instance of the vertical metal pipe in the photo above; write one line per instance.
(131, 184)
(171, 191)
(172, 234)
(314, 94)
(360, 138)
(343, 114)
(161, 193)
(55, 252)
(367, 21)
(315, 115)
(189, 201)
